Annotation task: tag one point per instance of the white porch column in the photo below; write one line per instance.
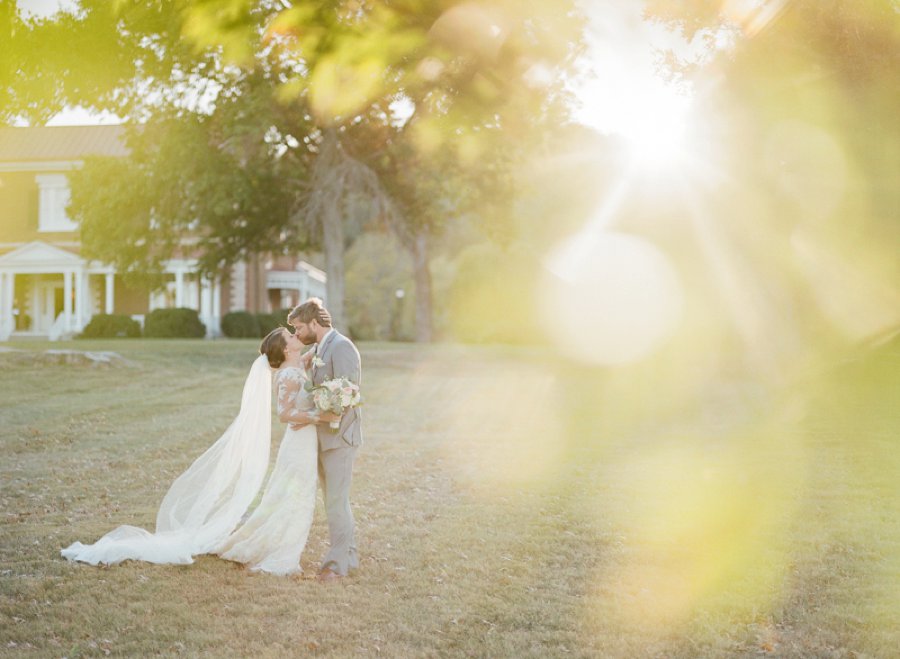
(206, 304)
(179, 288)
(110, 291)
(87, 308)
(303, 293)
(67, 300)
(36, 304)
(215, 320)
(7, 296)
(80, 309)
(217, 301)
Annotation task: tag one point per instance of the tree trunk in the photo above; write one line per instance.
(256, 284)
(333, 246)
(422, 278)
(325, 207)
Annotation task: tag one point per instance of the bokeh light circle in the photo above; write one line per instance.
(609, 298)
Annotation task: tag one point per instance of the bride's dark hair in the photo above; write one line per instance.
(273, 347)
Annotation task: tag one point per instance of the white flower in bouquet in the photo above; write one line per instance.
(335, 396)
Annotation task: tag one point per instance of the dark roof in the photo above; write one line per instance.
(61, 142)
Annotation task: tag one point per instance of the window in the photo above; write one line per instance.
(52, 201)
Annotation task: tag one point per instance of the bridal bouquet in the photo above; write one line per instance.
(335, 396)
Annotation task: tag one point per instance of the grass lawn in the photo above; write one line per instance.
(507, 506)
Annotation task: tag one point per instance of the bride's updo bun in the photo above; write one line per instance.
(273, 347)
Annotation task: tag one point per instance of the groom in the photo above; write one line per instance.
(335, 357)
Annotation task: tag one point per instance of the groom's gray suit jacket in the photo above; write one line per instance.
(341, 360)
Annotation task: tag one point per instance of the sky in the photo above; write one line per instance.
(622, 90)
(42, 7)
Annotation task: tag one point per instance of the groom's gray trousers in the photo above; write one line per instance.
(337, 448)
(335, 471)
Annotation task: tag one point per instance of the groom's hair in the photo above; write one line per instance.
(312, 309)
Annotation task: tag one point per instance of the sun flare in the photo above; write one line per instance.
(651, 116)
(655, 129)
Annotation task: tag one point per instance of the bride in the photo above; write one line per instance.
(201, 513)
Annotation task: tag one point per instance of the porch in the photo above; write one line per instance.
(49, 292)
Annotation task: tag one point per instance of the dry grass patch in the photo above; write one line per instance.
(498, 515)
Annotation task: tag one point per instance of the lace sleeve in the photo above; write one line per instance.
(289, 390)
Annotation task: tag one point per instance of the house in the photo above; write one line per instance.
(47, 289)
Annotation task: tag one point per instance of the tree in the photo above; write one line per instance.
(341, 189)
(470, 76)
(346, 77)
(428, 193)
(206, 184)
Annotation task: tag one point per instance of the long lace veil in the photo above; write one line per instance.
(205, 503)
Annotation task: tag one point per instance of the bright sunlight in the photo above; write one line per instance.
(649, 114)
(624, 93)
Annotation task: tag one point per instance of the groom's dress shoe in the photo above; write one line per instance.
(328, 574)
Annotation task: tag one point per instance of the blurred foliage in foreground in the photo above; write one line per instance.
(781, 219)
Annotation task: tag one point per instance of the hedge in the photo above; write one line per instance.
(106, 326)
(240, 325)
(269, 321)
(174, 323)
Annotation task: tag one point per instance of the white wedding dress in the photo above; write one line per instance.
(204, 506)
(274, 536)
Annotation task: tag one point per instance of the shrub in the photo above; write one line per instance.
(240, 325)
(174, 323)
(106, 326)
(269, 321)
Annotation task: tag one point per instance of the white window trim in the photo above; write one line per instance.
(53, 198)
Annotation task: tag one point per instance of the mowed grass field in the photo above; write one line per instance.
(507, 505)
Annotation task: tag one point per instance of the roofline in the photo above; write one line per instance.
(39, 165)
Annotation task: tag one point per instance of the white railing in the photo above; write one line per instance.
(58, 328)
(6, 328)
(213, 326)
